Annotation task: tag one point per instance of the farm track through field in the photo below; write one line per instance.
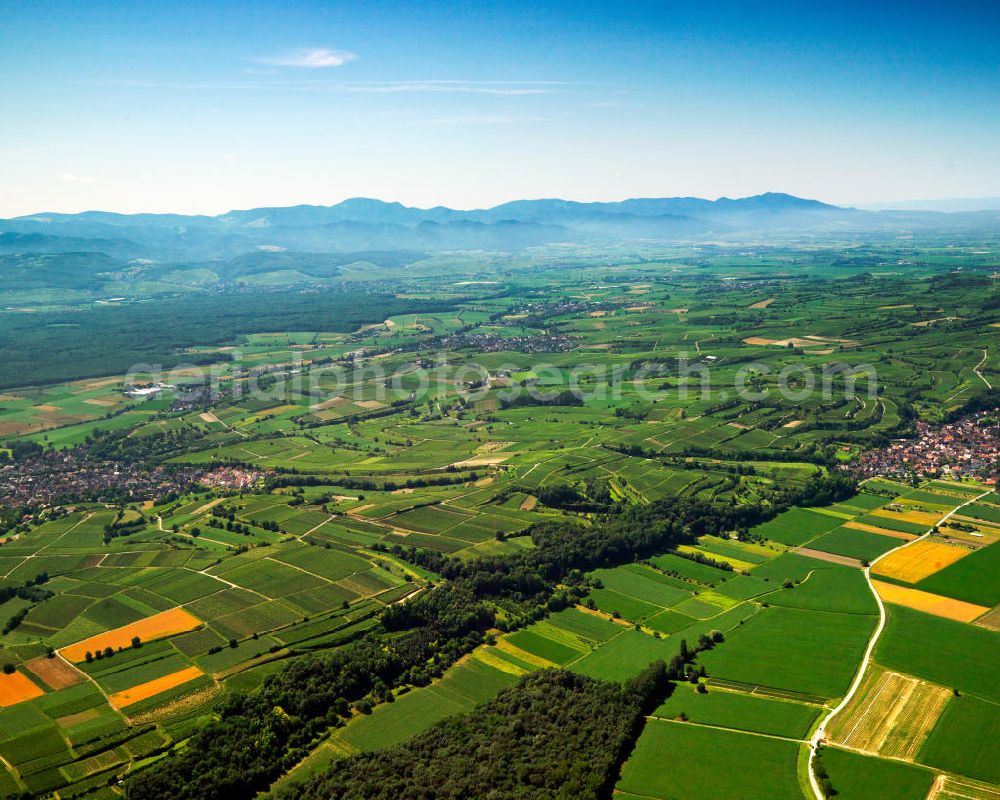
(819, 734)
(314, 574)
(228, 583)
(316, 527)
(724, 728)
(159, 524)
(979, 366)
(209, 416)
(59, 538)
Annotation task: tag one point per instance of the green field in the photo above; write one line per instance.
(966, 740)
(687, 568)
(828, 588)
(812, 652)
(412, 713)
(859, 777)
(624, 656)
(797, 526)
(673, 760)
(942, 651)
(745, 712)
(861, 545)
(972, 578)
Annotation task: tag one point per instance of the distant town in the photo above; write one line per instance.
(53, 477)
(966, 448)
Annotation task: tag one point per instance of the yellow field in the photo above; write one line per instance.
(369, 404)
(483, 461)
(891, 715)
(930, 603)
(491, 659)
(735, 563)
(166, 623)
(861, 526)
(267, 413)
(16, 688)
(154, 687)
(918, 560)
(917, 517)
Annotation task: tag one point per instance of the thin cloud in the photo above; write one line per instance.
(14, 152)
(72, 177)
(450, 87)
(477, 119)
(500, 88)
(309, 58)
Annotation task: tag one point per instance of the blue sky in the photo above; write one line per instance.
(203, 107)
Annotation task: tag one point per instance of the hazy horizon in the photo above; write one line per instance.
(942, 204)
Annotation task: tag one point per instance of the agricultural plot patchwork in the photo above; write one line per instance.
(143, 628)
(352, 480)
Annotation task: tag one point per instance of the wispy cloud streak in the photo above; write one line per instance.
(501, 88)
(309, 58)
(477, 119)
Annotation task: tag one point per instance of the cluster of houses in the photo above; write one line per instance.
(966, 448)
(231, 477)
(491, 343)
(52, 477)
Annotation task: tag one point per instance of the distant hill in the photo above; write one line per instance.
(367, 224)
(95, 251)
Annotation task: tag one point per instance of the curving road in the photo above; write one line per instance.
(820, 733)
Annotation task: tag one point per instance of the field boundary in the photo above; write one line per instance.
(819, 734)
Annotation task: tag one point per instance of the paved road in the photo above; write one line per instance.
(820, 732)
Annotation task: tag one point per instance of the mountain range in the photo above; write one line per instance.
(363, 224)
